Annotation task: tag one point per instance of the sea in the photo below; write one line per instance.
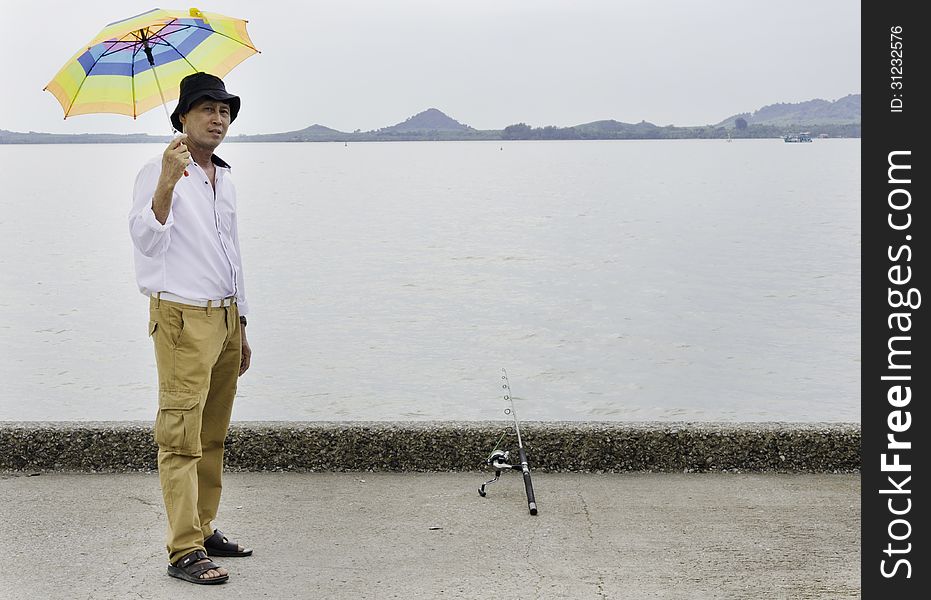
(647, 280)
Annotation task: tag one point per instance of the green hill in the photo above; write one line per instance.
(314, 133)
(428, 120)
(846, 110)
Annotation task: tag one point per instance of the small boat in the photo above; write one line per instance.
(797, 137)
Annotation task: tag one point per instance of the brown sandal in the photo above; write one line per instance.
(219, 545)
(188, 569)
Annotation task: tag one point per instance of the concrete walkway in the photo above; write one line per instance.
(429, 535)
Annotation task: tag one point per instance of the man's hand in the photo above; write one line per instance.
(175, 160)
(246, 352)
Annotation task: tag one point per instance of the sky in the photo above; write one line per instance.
(365, 64)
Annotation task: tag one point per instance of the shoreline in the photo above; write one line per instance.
(56, 139)
(427, 446)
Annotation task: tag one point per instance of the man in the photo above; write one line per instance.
(184, 229)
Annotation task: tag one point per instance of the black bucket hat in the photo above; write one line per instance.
(202, 85)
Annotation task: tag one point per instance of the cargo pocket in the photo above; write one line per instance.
(177, 426)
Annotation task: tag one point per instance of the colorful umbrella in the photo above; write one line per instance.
(136, 64)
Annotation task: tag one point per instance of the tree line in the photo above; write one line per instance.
(623, 131)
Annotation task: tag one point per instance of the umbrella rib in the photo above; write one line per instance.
(158, 38)
(211, 30)
(134, 44)
(170, 45)
(226, 36)
(88, 74)
(110, 51)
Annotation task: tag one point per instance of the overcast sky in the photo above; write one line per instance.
(365, 64)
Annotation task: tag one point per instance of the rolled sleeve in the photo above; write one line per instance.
(149, 236)
(148, 218)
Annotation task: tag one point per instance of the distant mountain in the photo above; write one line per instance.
(318, 130)
(431, 124)
(840, 118)
(314, 133)
(846, 110)
(615, 127)
(33, 137)
(428, 120)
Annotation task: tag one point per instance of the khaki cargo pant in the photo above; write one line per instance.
(198, 354)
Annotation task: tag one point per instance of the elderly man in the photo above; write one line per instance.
(184, 230)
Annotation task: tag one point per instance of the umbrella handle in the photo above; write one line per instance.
(186, 174)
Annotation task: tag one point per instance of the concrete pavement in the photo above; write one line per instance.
(82, 536)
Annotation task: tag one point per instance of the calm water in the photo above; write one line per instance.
(618, 280)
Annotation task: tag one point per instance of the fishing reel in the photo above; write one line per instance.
(499, 462)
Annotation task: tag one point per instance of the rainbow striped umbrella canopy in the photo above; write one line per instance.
(136, 64)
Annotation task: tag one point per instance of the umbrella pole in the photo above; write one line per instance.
(162, 96)
(167, 114)
(151, 58)
(148, 55)
(157, 84)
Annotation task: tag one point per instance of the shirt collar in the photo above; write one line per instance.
(219, 161)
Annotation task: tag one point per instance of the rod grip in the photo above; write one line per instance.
(528, 483)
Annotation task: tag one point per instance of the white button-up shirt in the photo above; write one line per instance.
(195, 254)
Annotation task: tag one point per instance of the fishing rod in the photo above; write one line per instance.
(498, 459)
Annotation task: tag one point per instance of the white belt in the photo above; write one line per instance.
(189, 302)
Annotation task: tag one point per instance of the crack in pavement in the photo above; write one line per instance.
(600, 583)
(144, 501)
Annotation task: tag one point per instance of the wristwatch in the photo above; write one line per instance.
(242, 320)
